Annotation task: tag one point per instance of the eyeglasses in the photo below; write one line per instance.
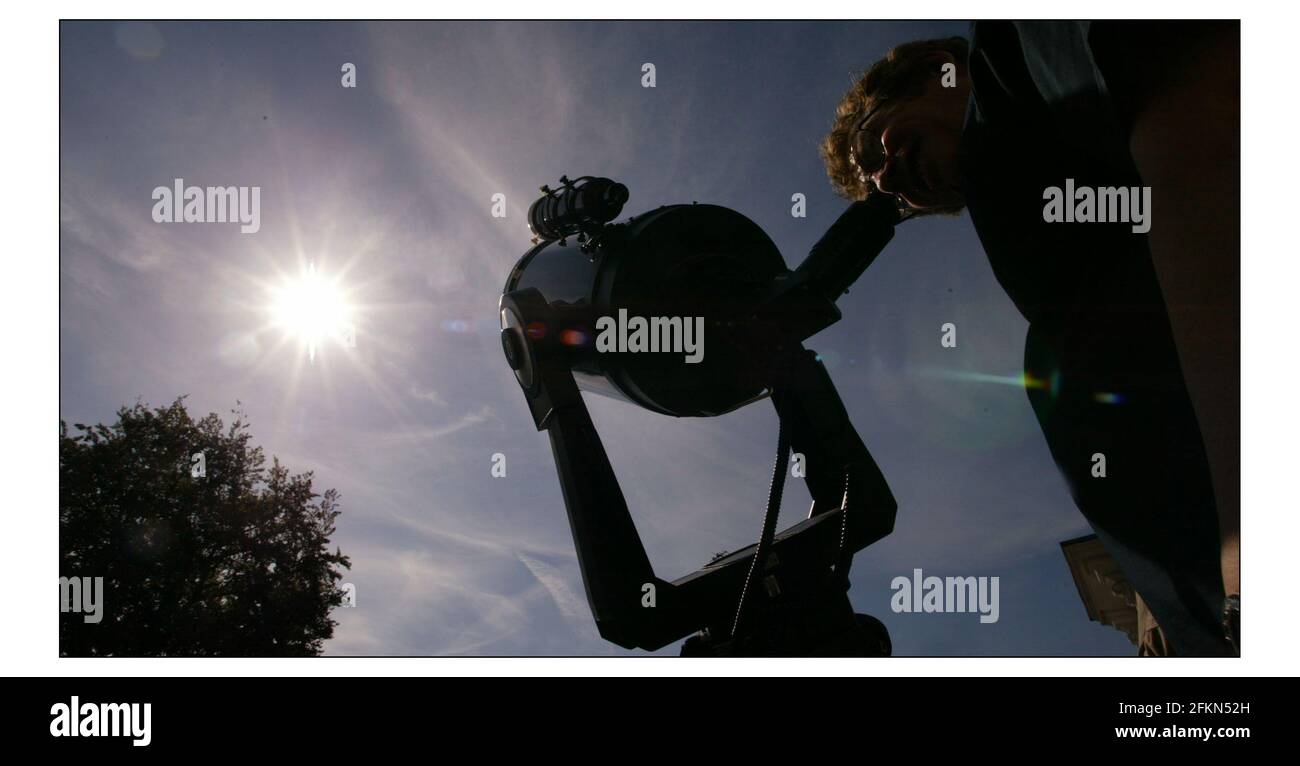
(867, 154)
(866, 151)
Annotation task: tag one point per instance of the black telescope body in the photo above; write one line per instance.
(713, 267)
(677, 261)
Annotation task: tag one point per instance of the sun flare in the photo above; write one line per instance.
(313, 309)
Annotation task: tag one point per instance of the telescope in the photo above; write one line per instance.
(690, 311)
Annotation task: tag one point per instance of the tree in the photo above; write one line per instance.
(206, 556)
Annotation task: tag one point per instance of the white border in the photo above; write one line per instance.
(28, 640)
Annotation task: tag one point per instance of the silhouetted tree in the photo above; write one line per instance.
(234, 562)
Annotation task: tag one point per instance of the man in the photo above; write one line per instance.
(1131, 361)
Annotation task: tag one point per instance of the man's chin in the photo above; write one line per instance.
(920, 202)
(927, 202)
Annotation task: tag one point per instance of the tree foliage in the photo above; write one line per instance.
(233, 562)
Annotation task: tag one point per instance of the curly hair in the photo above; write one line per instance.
(898, 75)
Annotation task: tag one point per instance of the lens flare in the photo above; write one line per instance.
(572, 337)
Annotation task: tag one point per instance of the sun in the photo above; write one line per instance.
(313, 309)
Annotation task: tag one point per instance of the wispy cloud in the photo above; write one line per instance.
(555, 583)
(438, 432)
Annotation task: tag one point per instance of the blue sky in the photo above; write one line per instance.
(389, 186)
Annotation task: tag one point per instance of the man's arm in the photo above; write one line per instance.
(1179, 87)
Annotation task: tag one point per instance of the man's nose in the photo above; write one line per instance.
(884, 178)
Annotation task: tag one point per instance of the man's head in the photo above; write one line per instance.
(897, 130)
